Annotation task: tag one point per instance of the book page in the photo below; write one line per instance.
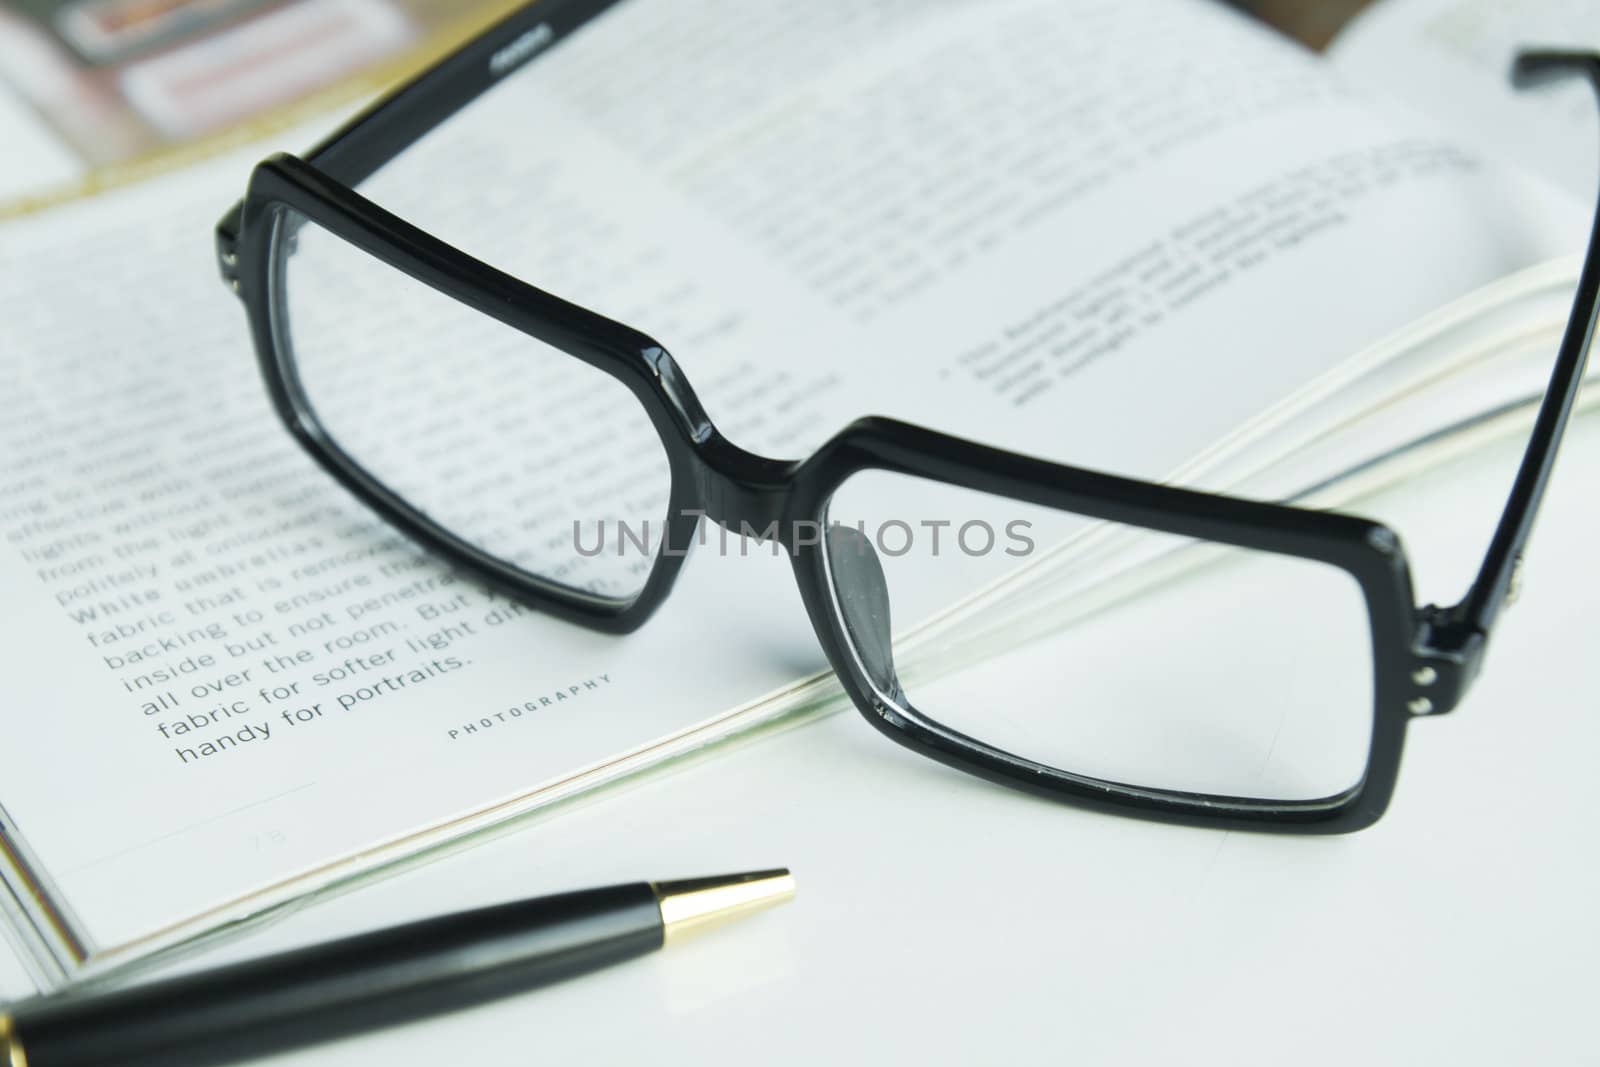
(1451, 59)
(229, 683)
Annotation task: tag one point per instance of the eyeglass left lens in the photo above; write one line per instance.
(508, 444)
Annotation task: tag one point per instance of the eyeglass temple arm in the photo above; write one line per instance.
(363, 145)
(1462, 630)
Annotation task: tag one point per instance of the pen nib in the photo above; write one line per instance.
(694, 904)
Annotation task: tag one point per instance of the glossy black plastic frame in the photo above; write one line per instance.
(1424, 658)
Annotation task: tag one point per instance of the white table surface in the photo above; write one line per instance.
(944, 920)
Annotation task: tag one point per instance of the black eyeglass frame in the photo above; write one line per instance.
(1425, 658)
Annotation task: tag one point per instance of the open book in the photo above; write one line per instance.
(1148, 238)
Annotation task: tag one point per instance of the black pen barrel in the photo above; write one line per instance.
(332, 990)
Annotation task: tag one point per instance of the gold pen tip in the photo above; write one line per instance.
(692, 905)
(11, 1054)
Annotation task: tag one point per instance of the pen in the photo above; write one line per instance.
(373, 979)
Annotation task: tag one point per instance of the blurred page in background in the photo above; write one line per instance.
(103, 82)
(1451, 60)
(34, 155)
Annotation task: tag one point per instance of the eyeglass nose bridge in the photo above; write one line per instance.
(743, 492)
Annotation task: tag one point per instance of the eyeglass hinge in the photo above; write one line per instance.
(1447, 656)
(228, 246)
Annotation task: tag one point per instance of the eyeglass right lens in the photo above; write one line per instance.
(510, 445)
(1131, 657)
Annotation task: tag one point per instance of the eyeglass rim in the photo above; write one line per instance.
(1448, 641)
(699, 458)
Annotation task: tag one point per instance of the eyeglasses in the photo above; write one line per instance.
(563, 458)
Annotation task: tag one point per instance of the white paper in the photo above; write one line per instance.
(1452, 59)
